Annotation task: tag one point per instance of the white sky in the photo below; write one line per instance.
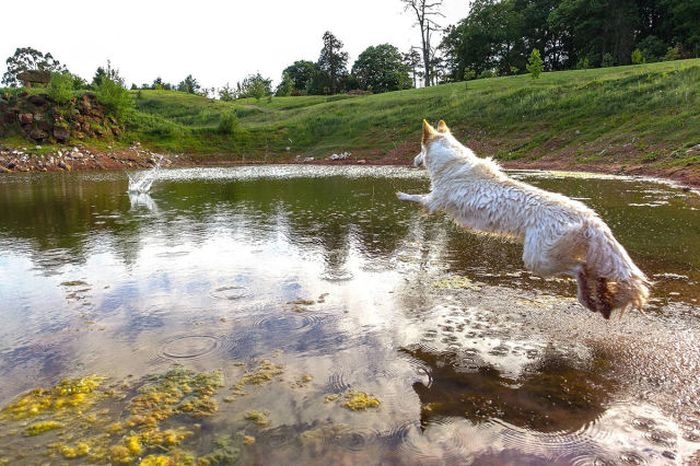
(215, 41)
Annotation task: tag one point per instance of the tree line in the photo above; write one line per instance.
(496, 38)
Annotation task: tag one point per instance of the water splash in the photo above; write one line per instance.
(141, 183)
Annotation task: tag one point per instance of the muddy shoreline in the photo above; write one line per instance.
(80, 158)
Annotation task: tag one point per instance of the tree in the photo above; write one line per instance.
(107, 73)
(381, 69)
(189, 85)
(29, 59)
(160, 85)
(637, 57)
(425, 11)
(227, 93)
(333, 61)
(412, 60)
(301, 72)
(286, 86)
(254, 85)
(534, 64)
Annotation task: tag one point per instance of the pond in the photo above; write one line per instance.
(304, 315)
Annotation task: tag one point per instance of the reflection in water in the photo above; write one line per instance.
(321, 271)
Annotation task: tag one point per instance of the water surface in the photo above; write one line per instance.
(321, 272)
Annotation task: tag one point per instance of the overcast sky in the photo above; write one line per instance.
(215, 41)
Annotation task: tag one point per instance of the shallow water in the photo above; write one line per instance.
(322, 272)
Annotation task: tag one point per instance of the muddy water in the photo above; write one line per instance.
(306, 286)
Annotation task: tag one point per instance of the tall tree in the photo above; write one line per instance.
(301, 72)
(333, 60)
(381, 69)
(425, 12)
(29, 59)
(413, 61)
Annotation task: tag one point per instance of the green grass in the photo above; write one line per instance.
(597, 115)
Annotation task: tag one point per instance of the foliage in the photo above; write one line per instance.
(332, 62)
(673, 53)
(302, 73)
(160, 85)
(227, 93)
(381, 69)
(228, 123)
(60, 87)
(27, 59)
(109, 73)
(535, 65)
(425, 12)
(637, 57)
(254, 85)
(499, 34)
(286, 86)
(189, 85)
(114, 97)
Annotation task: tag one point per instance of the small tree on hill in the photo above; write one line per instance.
(254, 85)
(106, 73)
(29, 59)
(637, 57)
(535, 66)
(189, 85)
(227, 93)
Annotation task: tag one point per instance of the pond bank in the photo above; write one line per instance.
(82, 158)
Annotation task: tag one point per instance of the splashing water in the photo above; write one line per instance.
(141, 183)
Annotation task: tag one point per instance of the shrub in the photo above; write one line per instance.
(653, 48)
(608, 60)
(469, 74)
(228, 123)
(637, 57)
(60, 88)
(114, 97)
(673, 53)
(534, 64)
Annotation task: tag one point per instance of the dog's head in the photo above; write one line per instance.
(437, 146)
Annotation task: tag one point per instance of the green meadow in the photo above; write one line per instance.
(641, 113)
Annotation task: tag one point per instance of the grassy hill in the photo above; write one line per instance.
(644, 115)
(633, 114)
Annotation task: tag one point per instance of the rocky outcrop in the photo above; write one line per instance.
(41, 120)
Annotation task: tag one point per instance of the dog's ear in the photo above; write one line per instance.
(442, 127)
(428, 132)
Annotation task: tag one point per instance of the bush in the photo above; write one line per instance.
(228, 123)
(673, 53)
(114, 97)
(60, 87)
(607, 61)
(534, 64)
(637, 57)
(653, 48)
(469, 74)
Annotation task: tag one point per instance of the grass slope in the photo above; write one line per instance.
(636, 114)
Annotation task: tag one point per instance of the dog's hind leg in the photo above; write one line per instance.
(584, 291)
(422, 199)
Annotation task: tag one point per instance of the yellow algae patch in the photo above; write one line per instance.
(248, 440)
(69, 393)
(262, 374)
(41, 427)
(175, 392)
(69, 452)
(258, 417)
(360, 401)
(331, 398)
(455, 282)
(157, 460)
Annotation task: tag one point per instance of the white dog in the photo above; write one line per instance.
(560, 235)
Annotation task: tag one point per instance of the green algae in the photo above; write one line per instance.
(75, 283)
(41, 427)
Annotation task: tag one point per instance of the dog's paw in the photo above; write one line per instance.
(403, 196)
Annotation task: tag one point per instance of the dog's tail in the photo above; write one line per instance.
(619, 284)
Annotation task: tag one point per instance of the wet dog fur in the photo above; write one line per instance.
(560, 236)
